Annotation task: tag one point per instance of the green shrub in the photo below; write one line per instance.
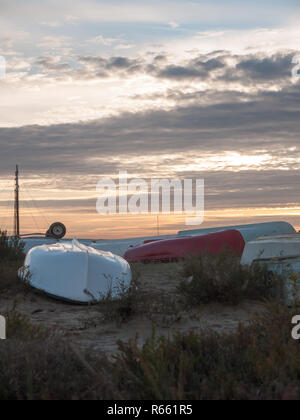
(123, 308)
(260, 361)
(51, 370)
(11, 259)
(19, 327)
(39, 364)
(134, 302)
(221, 278)
(11, 249)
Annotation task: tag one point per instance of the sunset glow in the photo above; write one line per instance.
(168, 90)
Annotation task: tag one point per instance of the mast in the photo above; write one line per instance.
(17, 206)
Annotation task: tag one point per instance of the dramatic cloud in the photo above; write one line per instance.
(195, 69)
(267, 68)
(265, 121)
(167, 89)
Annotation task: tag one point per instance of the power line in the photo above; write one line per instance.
(38, 210)
(8, 209)
(32, 215)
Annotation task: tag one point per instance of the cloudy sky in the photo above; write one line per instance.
(162, 89)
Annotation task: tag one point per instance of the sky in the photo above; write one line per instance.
(161, 89)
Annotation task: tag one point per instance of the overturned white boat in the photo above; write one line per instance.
(249, 232)
(76, 273)
(281, 254)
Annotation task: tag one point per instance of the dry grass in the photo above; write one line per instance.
(11, 259)
(136, 302)
(260, 361)
(221, 278)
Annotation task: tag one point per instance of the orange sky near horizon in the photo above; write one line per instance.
(72, 201)
(168, 90)
(39, 209)
(90, 225)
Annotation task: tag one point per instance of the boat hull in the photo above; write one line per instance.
(179, 248)
(281, 256)
(249, 232)
(76, 273)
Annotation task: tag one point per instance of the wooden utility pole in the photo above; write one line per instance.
(17, 206)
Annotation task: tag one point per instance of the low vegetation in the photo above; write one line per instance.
(126, 306)
(11, 259)
(50, 370)
(11, 249)
(134, 302)
(259, 361)
(221, 278)
(20, 328)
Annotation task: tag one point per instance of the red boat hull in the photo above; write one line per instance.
(178, 248)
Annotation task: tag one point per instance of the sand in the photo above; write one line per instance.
(86, 327)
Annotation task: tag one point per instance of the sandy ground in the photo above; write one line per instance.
(85, 327)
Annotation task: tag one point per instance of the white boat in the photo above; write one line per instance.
(73, 272)
(116, 246)
(249, 232)
(281, 254)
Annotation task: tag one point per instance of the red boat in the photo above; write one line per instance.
(178, 248)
